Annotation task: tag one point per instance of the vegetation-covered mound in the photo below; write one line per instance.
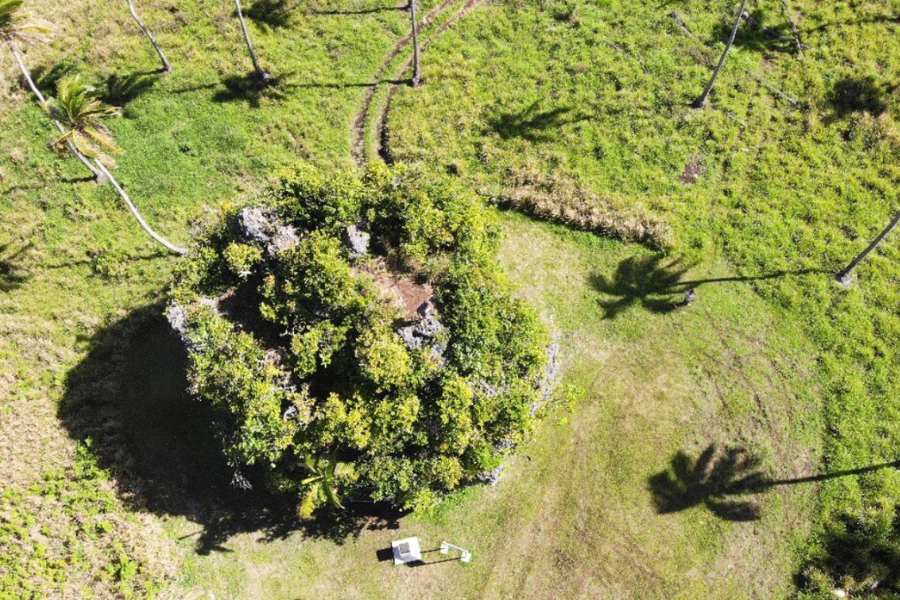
(357, 338)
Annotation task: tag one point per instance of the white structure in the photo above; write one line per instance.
(466, 555)
(406, 551)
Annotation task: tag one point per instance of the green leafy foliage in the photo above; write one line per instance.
(374, 414)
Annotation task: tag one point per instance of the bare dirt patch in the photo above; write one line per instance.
(400, 289)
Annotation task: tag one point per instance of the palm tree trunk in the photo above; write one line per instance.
(845, 277)
(98, 176)
(701, 101)
(787, 15)
(417, 68)
(260, 72)
(172, 247)
(167, 66)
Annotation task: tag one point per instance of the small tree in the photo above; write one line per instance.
(417, 68)
(82, 114)
(167, 66)
(13, 30)
(321, 485)
(262, 75)
(701, 101)
(845, 277)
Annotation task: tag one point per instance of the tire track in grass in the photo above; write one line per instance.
(359, 124)
(382, 124)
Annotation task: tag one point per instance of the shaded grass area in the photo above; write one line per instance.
(74, 264)
(577, 508)
(771, 187)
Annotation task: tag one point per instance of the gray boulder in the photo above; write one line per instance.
(256, 225)
(357, 240)
(421, 332)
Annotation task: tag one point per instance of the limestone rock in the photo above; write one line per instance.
(357, 240)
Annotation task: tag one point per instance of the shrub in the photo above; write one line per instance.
(322, 375)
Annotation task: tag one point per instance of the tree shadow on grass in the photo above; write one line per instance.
(248, 88)
(648, 281)
(714, 480)
(532, 124)
(11, 275)
(860, 94)
(724, 481)
(271, 14)
(122, 89)
(759, 32)
(857, 553)
(656, 283)
(358, 11)
(129, 396)
(47, 78)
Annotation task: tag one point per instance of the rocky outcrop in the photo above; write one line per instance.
(262, 227)
(357, 240)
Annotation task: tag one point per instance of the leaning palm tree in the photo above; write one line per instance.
(417, 68)
(167, 66)
(701, 101)
(82, 114)
(262, 75)
(13, 30)
(321, 484)
(845, 277)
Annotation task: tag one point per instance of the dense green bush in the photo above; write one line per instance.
(294, 337)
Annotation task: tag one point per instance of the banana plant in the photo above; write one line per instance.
(80, 111)
(320, 486)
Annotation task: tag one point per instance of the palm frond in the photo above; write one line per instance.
(310, 502)
(9, 10)
(13, 27)
(331, 495)
(102, 138)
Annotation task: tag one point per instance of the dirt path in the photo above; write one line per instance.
(359, 124)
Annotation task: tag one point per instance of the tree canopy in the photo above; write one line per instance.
(361, 324)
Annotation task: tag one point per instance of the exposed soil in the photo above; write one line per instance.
(400, 289)
(692, 171)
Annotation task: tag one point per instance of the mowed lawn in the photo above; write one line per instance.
(574, 514)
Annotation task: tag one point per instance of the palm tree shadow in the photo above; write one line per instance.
(47, 78)
(861, 551)
(11, 275)
(129, 397)
(859, 94)
(648, 281)
(722, 482)
(758, 33)
(714, 480)
(271, 14)
(532, 124)
(250, 89)
(120, 90)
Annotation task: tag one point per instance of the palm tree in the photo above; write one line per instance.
(417, 69)
(78, 108)
(845, 277)
(326, 470)
(262, 75)
(167, 66)
(13, 30)
(701, 101)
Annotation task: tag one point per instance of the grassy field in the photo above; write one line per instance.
(773, 362)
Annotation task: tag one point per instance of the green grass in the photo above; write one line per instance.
(791, 369)
(790, 190)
